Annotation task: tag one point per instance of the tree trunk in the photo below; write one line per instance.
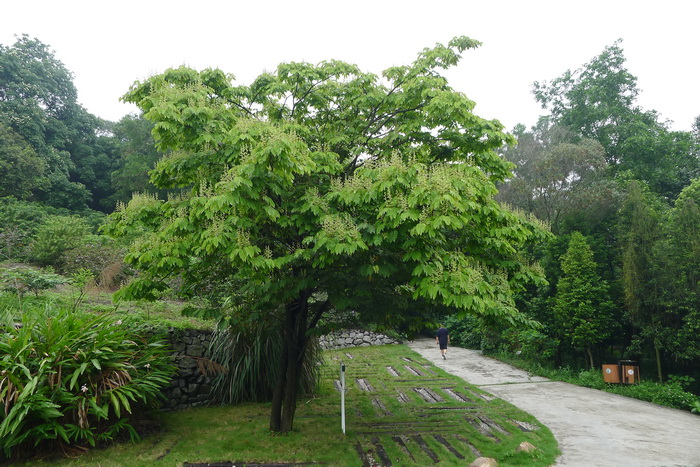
(290, 392)
(294, 348)
(590, 357)
(657, 351)
(280, 385)
(557, 354)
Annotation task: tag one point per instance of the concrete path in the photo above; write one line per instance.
(594, 428)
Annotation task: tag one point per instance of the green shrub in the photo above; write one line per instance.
(102, 257)
(70, 380)
(530, 344)
(592, 378)
(25, 215)
(19, 221)
(669, 394)
(464, 331)
(58, 234)
(13, 243)
(695, 406)
(19, 281)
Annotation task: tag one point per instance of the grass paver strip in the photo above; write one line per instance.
(363, 455)
(466, 442)
(381, 452)
(524, 426)
(426, 449)
(428, 395)
(403, 398)
(381, 407)
(364, 385)
(412, 370)
(441, 439)
(401, 441)
(493, 425)
(455, 395)
(479, 395)
(482, 427)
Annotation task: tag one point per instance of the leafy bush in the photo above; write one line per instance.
(465, 331)
(695, 406)
(530, 344)
(19, 221)
(19, 281)
(58, 234)
(25, 215)
(669, 394)
(591, 378)
(13, 243)
(101, 256)
(71, 379)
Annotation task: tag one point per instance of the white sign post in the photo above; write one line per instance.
(342, 396)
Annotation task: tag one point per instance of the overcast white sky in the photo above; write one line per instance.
(109, 45)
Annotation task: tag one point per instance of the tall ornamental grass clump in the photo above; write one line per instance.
(69, 380)
(250, 359)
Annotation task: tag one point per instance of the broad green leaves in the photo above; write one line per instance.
(329, 180)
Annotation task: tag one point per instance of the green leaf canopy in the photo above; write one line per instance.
(371, 192)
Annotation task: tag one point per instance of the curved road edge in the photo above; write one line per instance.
(593, 428)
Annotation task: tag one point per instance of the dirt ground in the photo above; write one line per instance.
(594, 428)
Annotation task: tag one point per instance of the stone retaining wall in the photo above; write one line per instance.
(191, 388)
(353, 338)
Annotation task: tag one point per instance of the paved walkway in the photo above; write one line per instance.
(594, 428)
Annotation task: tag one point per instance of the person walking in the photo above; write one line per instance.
(442, 338)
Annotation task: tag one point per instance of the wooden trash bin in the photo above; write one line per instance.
(629, 372)
(611, 374)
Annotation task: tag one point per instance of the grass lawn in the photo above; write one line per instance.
(400, 410)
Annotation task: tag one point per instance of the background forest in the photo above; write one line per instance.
(619, 190)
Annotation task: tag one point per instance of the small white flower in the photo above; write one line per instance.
(147, 366)
(84, 388)
(118, 323)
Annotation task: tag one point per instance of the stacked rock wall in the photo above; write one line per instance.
(353, 338)
(191, 388)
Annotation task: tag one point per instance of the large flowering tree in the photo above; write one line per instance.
(322, 187)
